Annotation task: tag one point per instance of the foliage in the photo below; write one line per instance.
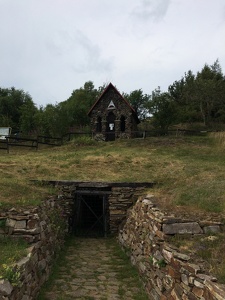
(15, 104)
(11, 251)
(78, 105)
(27, 120)
(12, 274)
(163, 109)
(194, 98)
(83, 141)
(161, 263)
(200, 97)
(139, 102)
(57, 220)
(57, 120)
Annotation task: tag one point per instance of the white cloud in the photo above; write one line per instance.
(51, 47)
(151, 10)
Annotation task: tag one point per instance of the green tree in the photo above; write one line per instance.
(210, 93)
(28, 112)
(77, 106)
(200, 97)
(139, 102)
(11, 101)
(163, 110)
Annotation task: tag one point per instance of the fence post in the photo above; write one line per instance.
(7, 145)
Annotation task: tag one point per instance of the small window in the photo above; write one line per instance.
(99, 124)
(122, 124)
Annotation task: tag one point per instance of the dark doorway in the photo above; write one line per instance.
(110, 134)
(90, 215)
(99, 125)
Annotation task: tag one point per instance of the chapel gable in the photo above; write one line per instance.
(112, 116)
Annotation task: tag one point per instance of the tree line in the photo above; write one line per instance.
(194, 99)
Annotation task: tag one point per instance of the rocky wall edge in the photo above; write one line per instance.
(44, 228)
(167, 273)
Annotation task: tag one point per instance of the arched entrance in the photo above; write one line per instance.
(110, 130)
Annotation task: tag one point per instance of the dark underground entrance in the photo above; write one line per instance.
(96, 209)
(91, 214)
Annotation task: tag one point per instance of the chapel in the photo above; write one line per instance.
(112, 116)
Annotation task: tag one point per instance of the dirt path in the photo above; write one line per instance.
(94, 269)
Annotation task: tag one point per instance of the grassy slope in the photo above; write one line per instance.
(189, 171)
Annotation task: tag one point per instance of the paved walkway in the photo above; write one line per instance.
(94, 269)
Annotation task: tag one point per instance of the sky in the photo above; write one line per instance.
(48, 48)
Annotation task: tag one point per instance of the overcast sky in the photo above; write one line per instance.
(49, 48)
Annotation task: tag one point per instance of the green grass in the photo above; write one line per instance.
(189, 171)
(127, 271)
(55, 272)
(11, 250)
(209, 248)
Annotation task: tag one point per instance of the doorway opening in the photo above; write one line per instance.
(91, 215)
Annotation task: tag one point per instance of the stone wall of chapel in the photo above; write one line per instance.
(121, 109)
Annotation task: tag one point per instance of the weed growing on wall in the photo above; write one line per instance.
(12, 274)
(58, 221)
(10, 252)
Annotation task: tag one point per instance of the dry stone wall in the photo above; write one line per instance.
(44, 228)
(120, 200)
(167, 273)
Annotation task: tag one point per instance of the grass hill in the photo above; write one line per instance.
(188, 171)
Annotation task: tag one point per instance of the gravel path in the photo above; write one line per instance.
(94, 269)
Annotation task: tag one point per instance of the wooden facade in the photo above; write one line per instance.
(112, 117)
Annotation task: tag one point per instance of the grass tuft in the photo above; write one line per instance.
(11, 250)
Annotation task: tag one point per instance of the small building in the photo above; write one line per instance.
(112, 116)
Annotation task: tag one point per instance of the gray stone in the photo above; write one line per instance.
(217, 290)
(23, 262)
(167, 255)
(42, 264)
(181, 256)
(147, 202)
(182, 228)
(20, 224)
(212, 229)
(10, 223)
(198, 284)
(5, 287)
(25, 297)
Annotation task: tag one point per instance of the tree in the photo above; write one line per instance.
(163, 110)
(28, 111)
(139, 102)
(77, 106)
(210, 93)
(200, 97)
(11, 102)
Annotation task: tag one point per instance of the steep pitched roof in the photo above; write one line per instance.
(102, 94)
